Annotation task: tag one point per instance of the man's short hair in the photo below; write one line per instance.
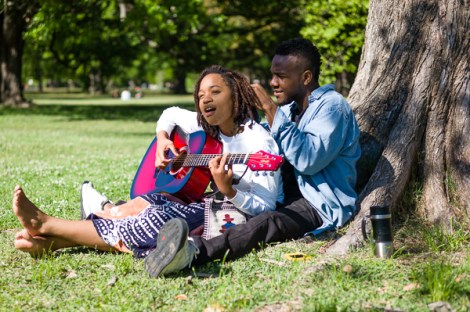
(305, 49)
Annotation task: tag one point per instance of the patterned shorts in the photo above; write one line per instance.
(139, 232)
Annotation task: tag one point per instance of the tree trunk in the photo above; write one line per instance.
(37, 68)
(180, 76)
(343, 83)
(411, 98)
(2, 44)
(96, 85)
(16, 15)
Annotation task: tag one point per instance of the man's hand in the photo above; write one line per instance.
(222, 177)
(163, 145)
(267, 104)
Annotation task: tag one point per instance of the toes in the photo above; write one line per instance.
(36, 246)
(17, 190)
(22, 234)
(24, 244)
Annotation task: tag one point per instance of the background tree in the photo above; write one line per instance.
(253, 31)
(337, 29)
(99, 41)
(14, 18)
(87, 39)
(411, 98)
(183, 33)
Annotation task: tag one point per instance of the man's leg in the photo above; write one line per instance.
(174, 252)
(289, 222)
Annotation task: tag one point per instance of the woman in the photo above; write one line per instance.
(226, 109)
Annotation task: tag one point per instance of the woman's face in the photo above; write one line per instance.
(215, 103)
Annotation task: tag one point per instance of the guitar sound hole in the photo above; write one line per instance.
(177, 164)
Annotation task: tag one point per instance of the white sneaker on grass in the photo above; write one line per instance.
(91, 200)
(174, 250)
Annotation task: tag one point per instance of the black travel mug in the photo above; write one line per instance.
(381, 220)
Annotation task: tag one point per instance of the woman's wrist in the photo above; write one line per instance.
(231, 193)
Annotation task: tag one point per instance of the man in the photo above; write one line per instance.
(318, 135)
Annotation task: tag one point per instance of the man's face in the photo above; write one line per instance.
(286, 81)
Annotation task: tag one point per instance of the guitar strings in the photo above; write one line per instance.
(203, 159)
(210, 156)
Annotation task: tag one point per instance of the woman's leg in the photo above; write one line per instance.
(38, 245)
(61, 232)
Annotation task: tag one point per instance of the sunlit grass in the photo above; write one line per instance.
(52, 149)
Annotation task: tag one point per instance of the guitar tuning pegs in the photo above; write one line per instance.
(271, 173)
(264, 173)
(256, 173)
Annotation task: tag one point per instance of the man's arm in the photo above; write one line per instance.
(313, 147)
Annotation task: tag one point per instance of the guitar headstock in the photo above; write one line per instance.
(262, 161)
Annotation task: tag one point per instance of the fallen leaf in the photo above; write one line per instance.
(181, 297)
(459, 278)
(214, 308)
(71, 274)
(411, 286)
(347, 269)
(297, 256)
(112, 281)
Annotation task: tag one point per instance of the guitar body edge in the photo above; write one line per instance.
(190, 183)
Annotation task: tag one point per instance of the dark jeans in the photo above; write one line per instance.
(289, 222)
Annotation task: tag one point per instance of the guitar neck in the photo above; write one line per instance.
(202, 160)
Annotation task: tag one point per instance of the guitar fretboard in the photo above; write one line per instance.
(202, 160)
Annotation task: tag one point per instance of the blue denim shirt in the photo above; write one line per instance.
(323, 148)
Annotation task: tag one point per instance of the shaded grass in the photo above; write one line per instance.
(51, 149)
(76, 108)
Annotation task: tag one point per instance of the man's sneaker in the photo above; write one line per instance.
(174, 251)
(91, 200)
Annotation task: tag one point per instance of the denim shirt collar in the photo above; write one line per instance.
(315, 95)
(318, 92)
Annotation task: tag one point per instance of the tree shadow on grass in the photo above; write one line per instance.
(96, 112)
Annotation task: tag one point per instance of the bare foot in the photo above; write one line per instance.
(36, 246)
(27, 213)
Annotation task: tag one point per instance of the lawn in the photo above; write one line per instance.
(66, 139)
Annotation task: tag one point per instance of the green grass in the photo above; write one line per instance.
(51, 149)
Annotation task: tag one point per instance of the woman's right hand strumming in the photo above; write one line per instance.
(164, 144)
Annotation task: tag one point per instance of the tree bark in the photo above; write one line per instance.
(411, 98)
(2, 44)
(16, 15)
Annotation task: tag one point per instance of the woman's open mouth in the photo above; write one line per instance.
(209, 111)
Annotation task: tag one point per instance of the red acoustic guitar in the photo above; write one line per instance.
(187, 175)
